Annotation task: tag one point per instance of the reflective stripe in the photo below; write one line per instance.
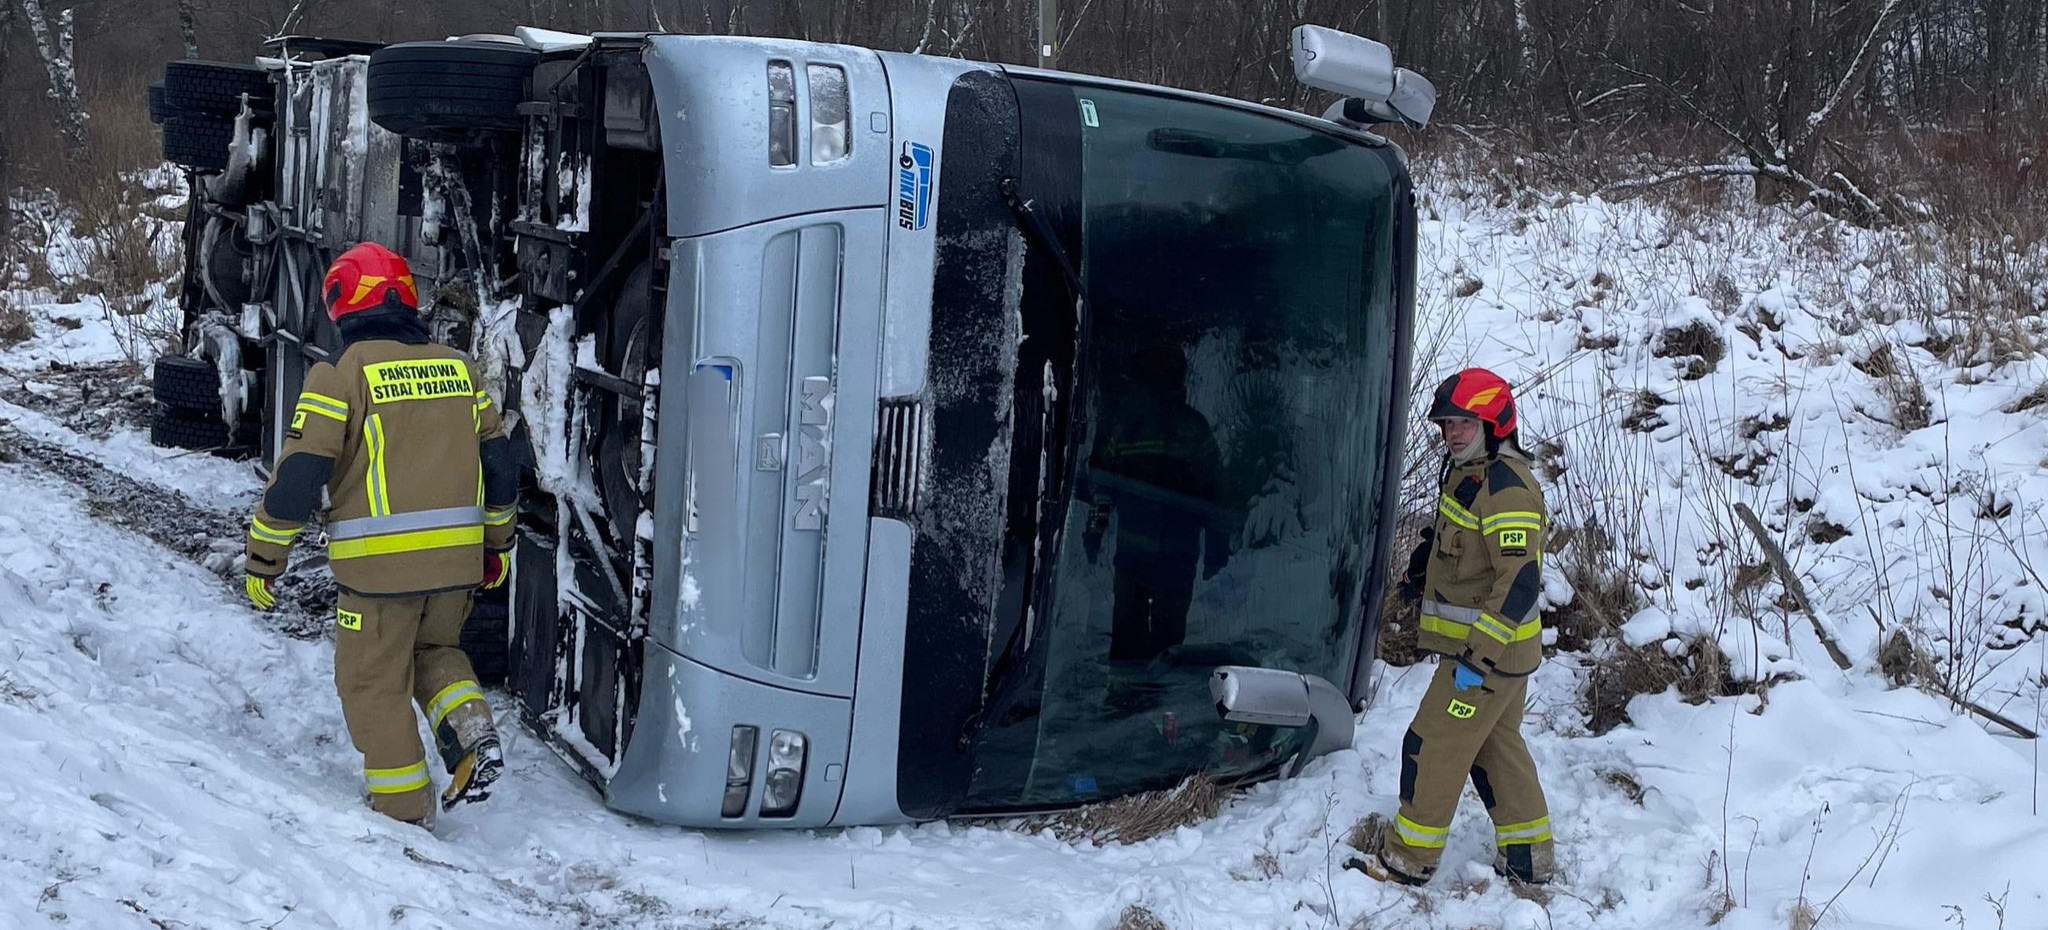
(494, 517)
(1451, 612)
(1522, 834)
(258, 588)
(380, 495)
(402, 522)
(1498, 629)
(260, 531)
(1443, 627)
(483, 400)
(305, 408)
(323, 405)
(1456, 512)
(405, 542)
(1514, 520)
(450, 697)
(1447, 620)
(1415, 834)
(399, 780)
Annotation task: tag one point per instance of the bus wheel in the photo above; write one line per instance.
(628, 356)
(198, 140)
(188, 385)
(449, 91)
(214, 87)
(179, 428)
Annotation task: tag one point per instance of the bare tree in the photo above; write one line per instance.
(188, 28)
(6, 162)
(55, 50)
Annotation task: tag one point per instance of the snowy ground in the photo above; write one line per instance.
(179, 764)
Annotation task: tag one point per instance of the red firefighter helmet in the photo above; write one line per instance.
(366, 277)
(1477, 394)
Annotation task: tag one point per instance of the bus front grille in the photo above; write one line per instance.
(899, 458)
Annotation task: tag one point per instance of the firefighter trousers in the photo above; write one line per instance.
(393, 652)
(1475, 732)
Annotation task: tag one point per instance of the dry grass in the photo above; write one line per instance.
(1139, 917)
(1697, 343)
(15, 325)
(1699, 671)
(1138, 817)
(1604, 595)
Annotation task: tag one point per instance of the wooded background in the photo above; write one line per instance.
(1846, 103)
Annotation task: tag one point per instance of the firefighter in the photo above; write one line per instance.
(420, 487)
(1153, 468)
(1478, 574)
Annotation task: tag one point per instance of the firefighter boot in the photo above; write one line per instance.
(472, 777)
(1367, 838)
(468, 743)
(424, 821)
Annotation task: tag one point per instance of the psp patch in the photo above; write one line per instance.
(1514, 542)
(431, 380)
(1462, 710)
(348, 619)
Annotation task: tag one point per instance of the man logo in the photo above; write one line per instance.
(1462, 710)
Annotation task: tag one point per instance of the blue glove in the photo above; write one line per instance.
(1466, 677)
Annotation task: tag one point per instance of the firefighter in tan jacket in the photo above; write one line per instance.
(419, 482)
(1478, 575)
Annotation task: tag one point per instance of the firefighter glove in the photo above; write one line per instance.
(1466, 677)
(1418, 567)
(494, 570)
(262, 591)
(1091, 533)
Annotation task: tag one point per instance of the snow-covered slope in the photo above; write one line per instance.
(177, 763)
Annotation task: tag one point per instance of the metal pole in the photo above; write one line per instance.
(1048, 32)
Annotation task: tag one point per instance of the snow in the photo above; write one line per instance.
(175, 763)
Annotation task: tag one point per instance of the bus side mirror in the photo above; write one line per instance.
(1363, 71)
(1273, 697)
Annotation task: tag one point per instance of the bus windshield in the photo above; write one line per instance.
(1230, 385)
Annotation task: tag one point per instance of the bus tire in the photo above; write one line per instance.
(214, 87)
(198, 140)
(182, 383)
(449, 91)
(486, 637)
(186, 429)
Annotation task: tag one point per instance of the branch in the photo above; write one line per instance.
(1793, 585)
(1684, 174)
(1981, 710)
(290, 17)
(1856, 195)
(1625, 88)
(1850, 75)
(1686, 102)
(931, 18)
(1079, 15)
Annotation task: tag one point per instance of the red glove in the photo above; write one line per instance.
(494, 570)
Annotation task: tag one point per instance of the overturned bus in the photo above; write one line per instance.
(903, 437)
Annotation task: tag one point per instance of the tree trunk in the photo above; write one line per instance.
(6, 162)
(188, 28)
(55, 50)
